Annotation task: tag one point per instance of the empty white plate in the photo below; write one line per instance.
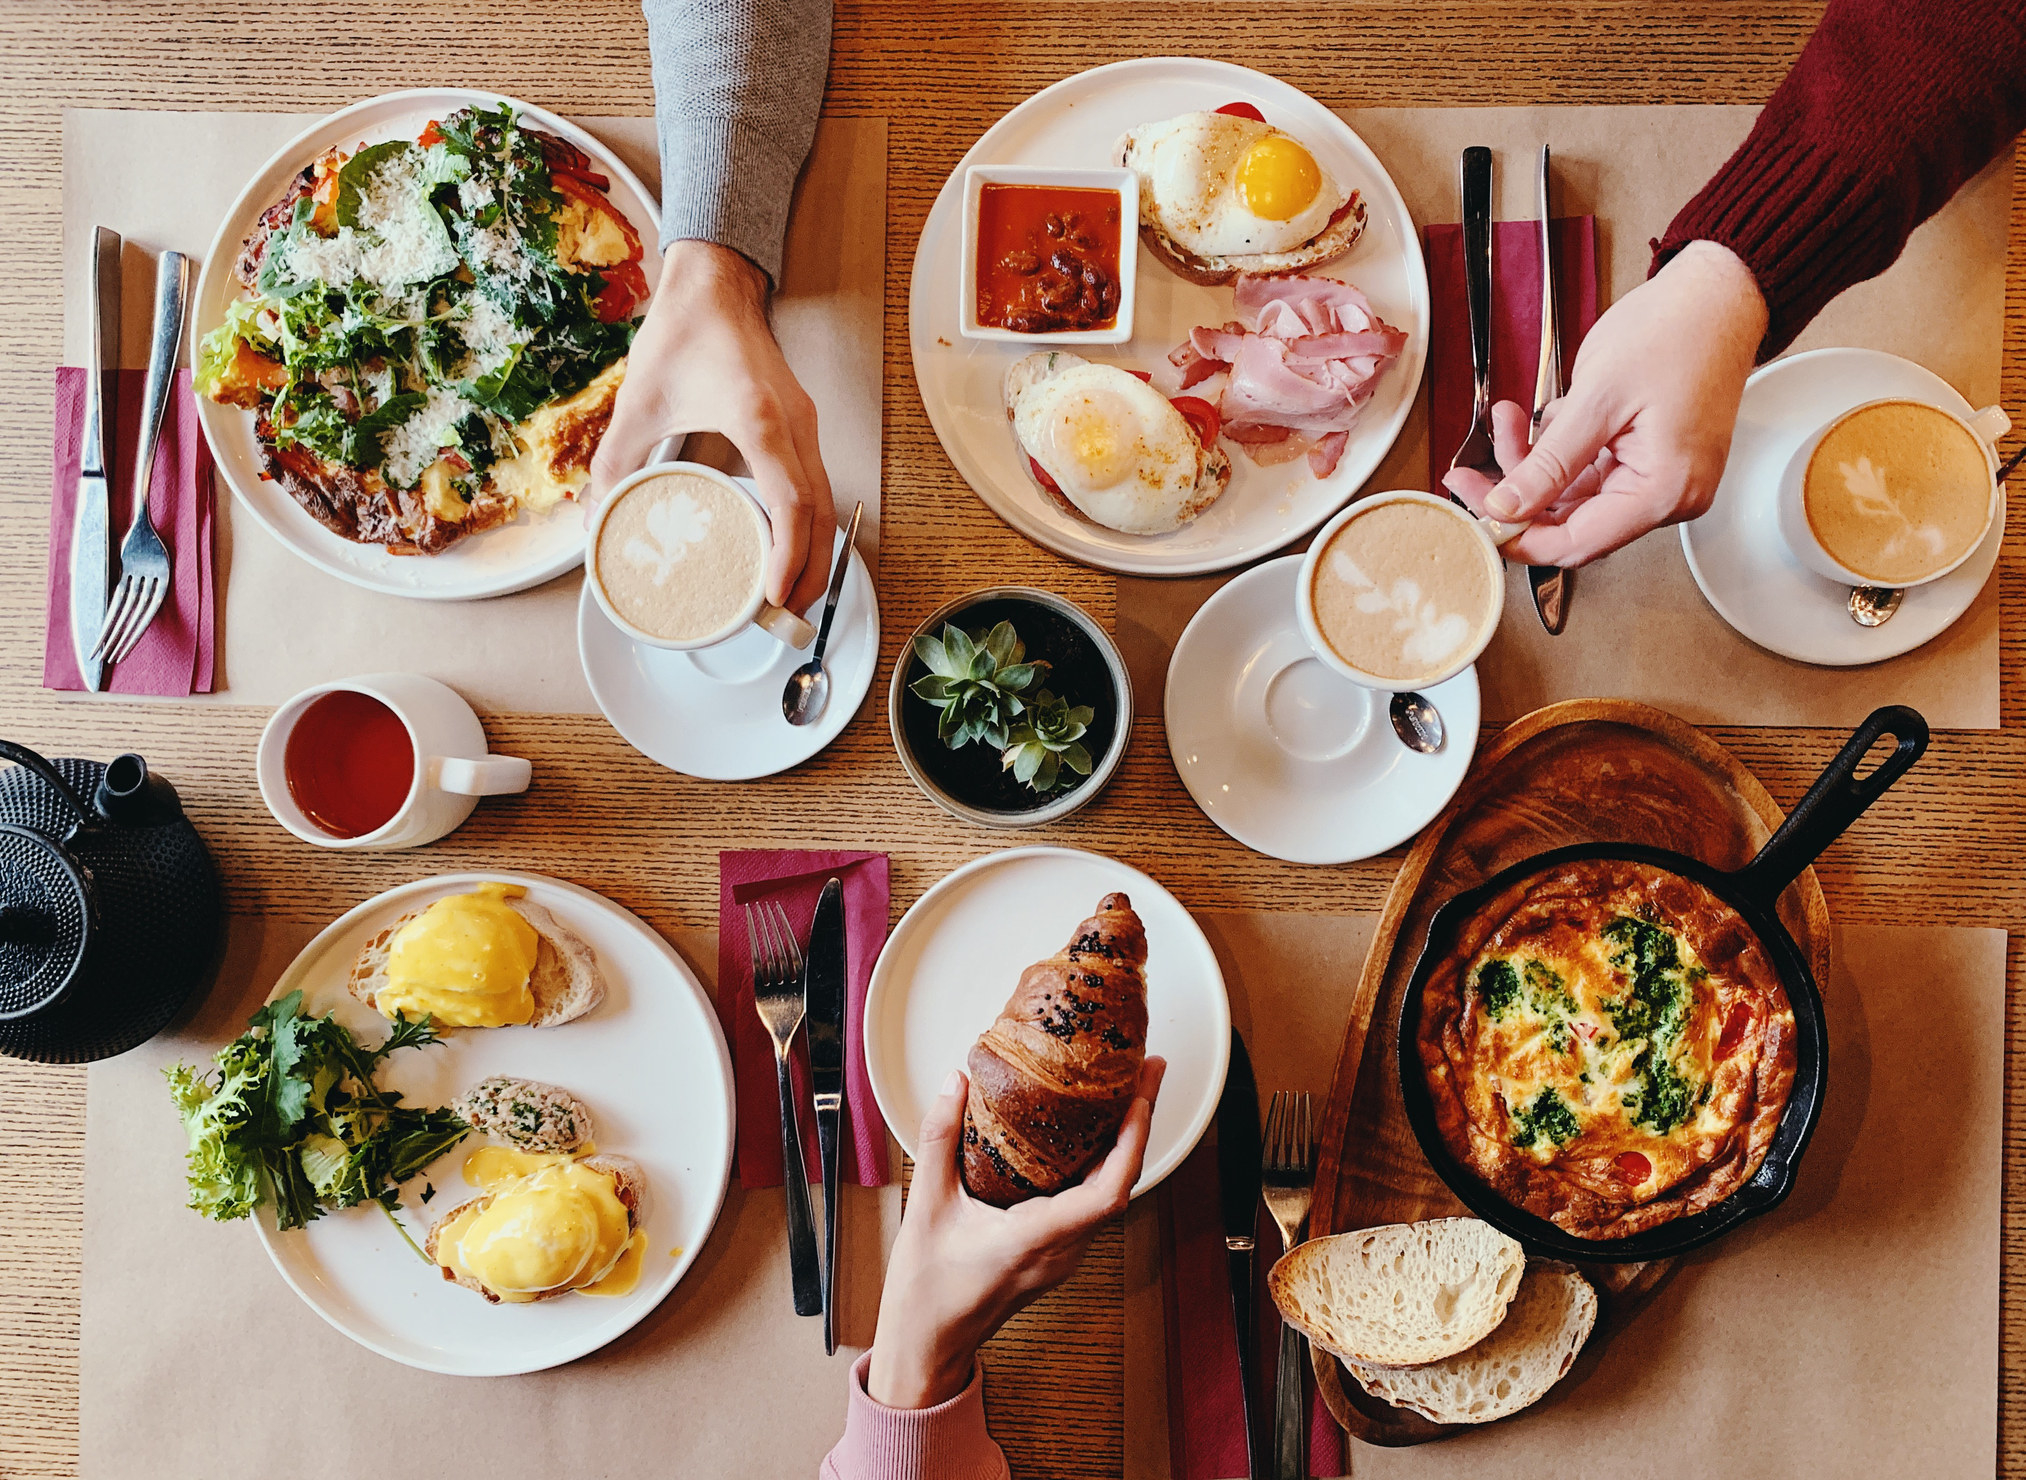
(1290, 758)
(958, 952)
(1735, 551)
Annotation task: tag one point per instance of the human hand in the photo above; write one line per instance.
(1641, 437)
(704, 360)
(961, 1267)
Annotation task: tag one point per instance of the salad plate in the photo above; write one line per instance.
(649, 1062)
(510, 557)
(1077, 124)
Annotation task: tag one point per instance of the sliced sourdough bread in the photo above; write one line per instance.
(566, 982)
(629, 1181)
(1531, 1350)
(1402, 1294)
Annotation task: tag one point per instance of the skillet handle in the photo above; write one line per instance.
(1837, 799)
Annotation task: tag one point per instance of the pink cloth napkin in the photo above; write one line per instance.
(177, 654)
(1206, 1417)
(1515, 320)
(795, 878)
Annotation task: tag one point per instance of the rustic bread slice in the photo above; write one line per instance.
(1531, 1350)
(1332, 242)
(1402, 1294)
(566, 982)
(630, 1182)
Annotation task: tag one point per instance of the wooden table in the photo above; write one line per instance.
(940, 71)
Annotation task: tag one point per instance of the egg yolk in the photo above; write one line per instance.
(1278, 178)
(1088, 443)
(553, 1224)
(465, 961)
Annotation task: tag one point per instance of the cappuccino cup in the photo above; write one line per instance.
(677, 556)
(1892, 492)
(1401, 591)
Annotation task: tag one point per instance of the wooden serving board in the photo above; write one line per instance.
(1589, 770)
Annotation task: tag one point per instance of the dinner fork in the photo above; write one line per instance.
(1476, 453)
(1287, 1180)
(777, 993)
(145, 570)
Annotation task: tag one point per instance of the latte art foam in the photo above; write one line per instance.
(1897, 491)
(680, 556)
(1403, 591)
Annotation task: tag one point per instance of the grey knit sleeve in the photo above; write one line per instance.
(737, 86)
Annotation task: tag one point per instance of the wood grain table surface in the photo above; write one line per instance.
(1943, 848)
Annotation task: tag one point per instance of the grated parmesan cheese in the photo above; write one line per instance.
(489, 336)
(412, 446)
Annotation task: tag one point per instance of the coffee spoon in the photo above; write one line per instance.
(1417, 722)
(1873, 606)
(808, 691)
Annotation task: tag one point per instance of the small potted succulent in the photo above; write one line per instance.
(1010, 707)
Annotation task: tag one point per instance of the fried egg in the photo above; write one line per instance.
(1222, 185)
(1118, 450)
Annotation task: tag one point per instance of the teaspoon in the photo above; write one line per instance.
(808, 691)
(1417, 722)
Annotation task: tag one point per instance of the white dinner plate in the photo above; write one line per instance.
(1076, 123)
(717, 713)
(532, 549)
(1288, 756)
(957, 954)
(1735, 551)
(649, 1062)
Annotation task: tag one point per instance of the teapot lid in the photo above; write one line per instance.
(45, 921)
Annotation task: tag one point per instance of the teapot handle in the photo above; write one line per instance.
(21, 755)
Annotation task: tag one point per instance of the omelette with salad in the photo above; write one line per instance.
(434, 331)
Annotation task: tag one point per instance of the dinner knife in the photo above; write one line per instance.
(1550, 583)
(1238, 1153)
(91, 537)
(823, 1020)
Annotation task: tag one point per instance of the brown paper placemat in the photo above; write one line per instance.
(165, 180)
(1639, 627)
(1852, 1332)
(217, 1369)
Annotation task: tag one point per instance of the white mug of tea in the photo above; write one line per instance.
(1401, 591)
(390, 760)
(677, 558)
(1892, 493)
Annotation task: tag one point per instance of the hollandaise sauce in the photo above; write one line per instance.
(553, 1224)
(465, 961)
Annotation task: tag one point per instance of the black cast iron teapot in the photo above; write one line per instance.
(109, 907)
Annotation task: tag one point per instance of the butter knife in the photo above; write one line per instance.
(823, 1020)
(91, 538)
(1551, 584)
(1238, 1178)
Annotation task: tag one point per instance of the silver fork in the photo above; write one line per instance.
(145, 570)
(1287, 1178)
(1476, 451)
(777, 993)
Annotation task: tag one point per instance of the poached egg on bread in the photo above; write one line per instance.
(1226, 192)
(1112, 448)
(545, 1225)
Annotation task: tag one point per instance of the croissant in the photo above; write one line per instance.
(1053, 1077)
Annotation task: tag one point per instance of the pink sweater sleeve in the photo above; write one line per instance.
(947, 1442)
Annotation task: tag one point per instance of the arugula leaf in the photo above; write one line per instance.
(355, 179)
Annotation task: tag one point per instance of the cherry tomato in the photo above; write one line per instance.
(1202, 418)
(1041, 476)
(625, 289)
(1633, 1167)
(1243, 110)
(430, 136)
(1145, 377)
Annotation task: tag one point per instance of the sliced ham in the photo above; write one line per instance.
(1303, 357)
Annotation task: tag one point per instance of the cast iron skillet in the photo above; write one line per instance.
(1838, 797)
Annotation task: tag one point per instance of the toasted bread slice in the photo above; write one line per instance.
(630, 1182)
(1332, 242)
(566, 982)
(1402, 1294)
(1531, 1350)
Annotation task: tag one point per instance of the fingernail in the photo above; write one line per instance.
(1502, 502)
(954, 1083)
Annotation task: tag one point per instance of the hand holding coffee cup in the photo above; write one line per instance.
(1892, 493)
(677, 558)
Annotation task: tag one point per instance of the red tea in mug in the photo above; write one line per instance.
(349, 763)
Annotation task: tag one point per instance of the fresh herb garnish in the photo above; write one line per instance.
(1550, 1116)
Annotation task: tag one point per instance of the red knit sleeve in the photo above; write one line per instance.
(1891, 107)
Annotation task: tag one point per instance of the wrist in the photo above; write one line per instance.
(1726, 286)
(701, 270)
(908, 1373)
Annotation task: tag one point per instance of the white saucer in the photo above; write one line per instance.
(957, 954)
(1288, 757)
(716, 714)
(1735, 551)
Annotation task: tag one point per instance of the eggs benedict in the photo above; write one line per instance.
(487, 958)
(544, 1225)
